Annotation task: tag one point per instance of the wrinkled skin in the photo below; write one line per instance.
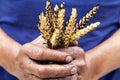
(23, 60)
(29, 63)
(78, 55)
(79, 60)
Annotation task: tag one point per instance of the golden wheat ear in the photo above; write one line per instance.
(69, 28)
(87, 18)
(84, 31)
(59, 15)
(51, 25)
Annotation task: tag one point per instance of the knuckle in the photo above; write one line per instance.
(41, 72)
(82, 67)
(82, 64)
(79, 49)
(25, 47)
(22, 65)
(39, 53)
(76, 50)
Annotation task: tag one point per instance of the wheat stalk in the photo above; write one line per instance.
(51, 26)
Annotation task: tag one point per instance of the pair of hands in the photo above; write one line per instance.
(64, 64)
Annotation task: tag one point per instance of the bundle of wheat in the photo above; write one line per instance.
(51, 25)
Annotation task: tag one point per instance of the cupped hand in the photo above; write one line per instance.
(30, 63)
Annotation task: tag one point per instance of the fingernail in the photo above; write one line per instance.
(68, 59)
(73, 70)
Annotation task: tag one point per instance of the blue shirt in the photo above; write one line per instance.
(18, 18)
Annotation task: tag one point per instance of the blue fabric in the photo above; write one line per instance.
(18, 18)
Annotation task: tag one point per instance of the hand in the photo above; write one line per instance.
(78, 55)
(29, 63)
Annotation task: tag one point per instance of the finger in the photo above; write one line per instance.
(50, 71)
(34, 77)
(45, 54)
(81, 65)
(75, 52)
(31, 77)
(72, 77)
(39, 41)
